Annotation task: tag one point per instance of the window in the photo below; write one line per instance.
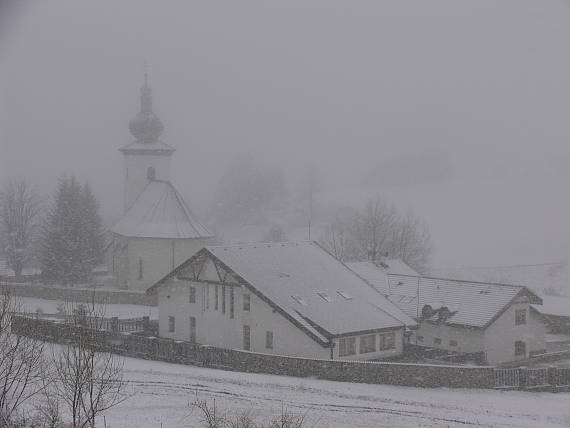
(420, 338)
(151, 173)
(520, 316)
(246, 338)
(325, 296)
(246, 302)
(223, 299)
(520, 348)
(387, 341)
(192, 298)
(216, 292)
(140, 269)
(232, 302)
(346, 346)
(171, 324)
(268, 340)
(344, 295)
(299, 300)
(193, 329)
(453, 343)
(367, 343)
(437, 341)
(207, 295)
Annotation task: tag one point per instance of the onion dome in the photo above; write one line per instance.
(146, 127)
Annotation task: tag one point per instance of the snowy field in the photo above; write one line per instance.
(32, 304)
(162, 393)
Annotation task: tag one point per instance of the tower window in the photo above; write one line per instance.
(151, 173)
(140, 269)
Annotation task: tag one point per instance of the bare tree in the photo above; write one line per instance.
(88, 379)
(411, 242)
(377, 230)
(23, 369)
(19, 214)
(336, 239)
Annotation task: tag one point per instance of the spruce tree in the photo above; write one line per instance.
(72, 244)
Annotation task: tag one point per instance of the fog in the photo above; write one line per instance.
(457, 110)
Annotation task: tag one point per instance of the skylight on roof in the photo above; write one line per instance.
(324, 296)
(344, 295)
(299, 300)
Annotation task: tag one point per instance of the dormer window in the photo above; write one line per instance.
(344, 295)
(151, 173)
(299, 300)
(324, 296)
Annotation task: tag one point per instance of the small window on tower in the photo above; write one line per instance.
(151, 173)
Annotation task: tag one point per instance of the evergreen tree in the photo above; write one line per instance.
(72, 242)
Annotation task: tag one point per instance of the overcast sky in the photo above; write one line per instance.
(458, 110)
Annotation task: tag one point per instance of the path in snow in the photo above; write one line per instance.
(162, 393)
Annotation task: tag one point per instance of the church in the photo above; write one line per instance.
(157, 231)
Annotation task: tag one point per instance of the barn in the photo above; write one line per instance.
(291, 299)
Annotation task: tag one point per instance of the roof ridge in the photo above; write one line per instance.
(461, 281)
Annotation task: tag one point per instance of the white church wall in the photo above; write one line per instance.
(136, 173)
(157, 257)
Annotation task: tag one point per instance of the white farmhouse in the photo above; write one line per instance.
(291, 299)
(157, 231)
(494, 322)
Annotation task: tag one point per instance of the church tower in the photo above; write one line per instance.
(147, 158)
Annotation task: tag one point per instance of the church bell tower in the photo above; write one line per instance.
(146, 158)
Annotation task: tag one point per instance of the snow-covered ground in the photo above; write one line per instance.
(32, 304)
(162, 393)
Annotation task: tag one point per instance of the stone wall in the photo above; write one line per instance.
(417, 375)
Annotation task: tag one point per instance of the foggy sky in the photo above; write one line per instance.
(457, 110)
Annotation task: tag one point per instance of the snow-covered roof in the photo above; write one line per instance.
(308, 285)
(472, 304)
(156, 146)
(302, 278)
(377, 274)
(554, 305)
(534, 276)
(160, 212)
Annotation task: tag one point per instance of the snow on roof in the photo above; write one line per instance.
(475, 304)
(307, 282)
(554, 305)
(160, 212)
(155, 146)
(534, 276)
(376, 276)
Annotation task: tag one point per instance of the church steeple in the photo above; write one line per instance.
(146, 127)
(147, 158)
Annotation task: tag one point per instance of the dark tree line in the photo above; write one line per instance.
(72, 244)
(65, 236)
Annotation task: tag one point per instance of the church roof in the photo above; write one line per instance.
(160, 212)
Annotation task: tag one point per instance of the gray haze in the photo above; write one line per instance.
(457, 110)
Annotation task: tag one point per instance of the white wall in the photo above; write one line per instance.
(217, 329)
(136, 166)
(159, 257)
(379, 354)
(468, 340)
(500, 336)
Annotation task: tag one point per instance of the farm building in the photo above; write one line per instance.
(494, 323)
(284, 298)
